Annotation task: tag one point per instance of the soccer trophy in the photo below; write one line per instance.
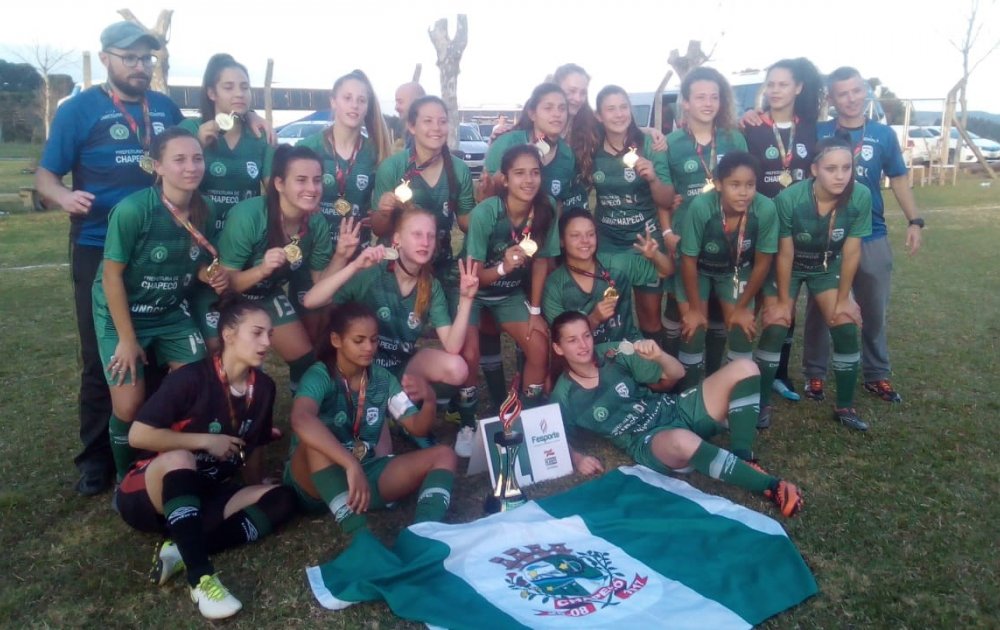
(507, 495)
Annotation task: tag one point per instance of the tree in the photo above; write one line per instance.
(974, 24)
(46, 60)
(161, 31)
(449, 56)
(19, 87)
(894, 109)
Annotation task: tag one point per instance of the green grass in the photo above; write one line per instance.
(900, 524)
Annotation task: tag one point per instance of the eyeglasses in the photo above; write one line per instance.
(131, 61)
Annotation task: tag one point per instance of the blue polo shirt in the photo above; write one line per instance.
(91, 139)
(880, 155)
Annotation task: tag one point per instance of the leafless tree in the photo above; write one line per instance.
(161, 31)
(968, 48)
(46, 60)
(449, 55)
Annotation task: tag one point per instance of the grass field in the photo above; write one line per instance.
(900, 524)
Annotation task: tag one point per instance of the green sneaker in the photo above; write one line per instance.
(167, 563)
(214, 600)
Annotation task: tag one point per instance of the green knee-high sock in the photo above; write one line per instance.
(468, 402)
(846, 358)
(768, 358)
(692, 357)
(332, 485)
(715, 346)
(491, 362)
(720, 464)
(744, 407)
(740, 346)
(671, 328)
(435, 496)
(297, 368)
(786, 352)
(121, 452)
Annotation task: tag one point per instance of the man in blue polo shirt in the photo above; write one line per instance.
(876, 153)
(102, 136)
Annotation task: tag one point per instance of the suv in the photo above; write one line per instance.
(471, 148)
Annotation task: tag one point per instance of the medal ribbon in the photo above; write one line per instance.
(736, 249)
(145, 139)
(413, 169)
(362, 395)
(340, 174)
(221, 373)
(786, 155)
(604, 275)
(186, 224)
(711, 153)
(832, 218)
(526, 230)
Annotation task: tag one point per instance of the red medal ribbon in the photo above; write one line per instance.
(146, 139)
(340, 174)
(224, 380)
(186, 224)
(362, 395)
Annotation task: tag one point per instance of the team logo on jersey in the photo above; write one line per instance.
(212, 319)
(622, 390)
(215, 427)
(118, 131)
(159, 254)
(867, 151)
(444, 208)
(690, 166)
(630, 175)
(803, 237)
(384, 314)
(371, 416)
(556, 187)
(771, 153)
(328, 179)
(362, 181)
(800, 150)
(745, 245)
(712, 247)
(194, 252)
(570, 584)
(217, 169)
(253, 170)
(340, 417)
(412, 321)
(837, 234)
(599, 177)
(798, 174)
(600, 414)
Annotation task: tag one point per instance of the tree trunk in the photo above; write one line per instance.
(47, 96)
(683, 65)
(449, 55)
(161, 72)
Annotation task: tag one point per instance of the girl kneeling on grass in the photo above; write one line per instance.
(205, 422)
(616, 395)
(337, 419)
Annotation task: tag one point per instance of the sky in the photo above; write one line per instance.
(513, 44)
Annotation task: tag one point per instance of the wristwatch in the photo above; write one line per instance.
(917, 222)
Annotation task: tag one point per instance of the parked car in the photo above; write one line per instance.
(471, 148)
(989, 148)
(920, 144)
(293, 132)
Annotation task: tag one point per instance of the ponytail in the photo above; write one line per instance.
(378, 133)
(425, 276)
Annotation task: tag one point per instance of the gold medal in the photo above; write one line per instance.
(785, 179)
(626, 347)
(146, 163)
(212, 269)
(225, 121)
(403, 192)
(359, 450)
(631, 158)
(709, 185)
(342, 206)
(528, 246)
(543, 147)
(390, 253)
(293, 253)
(611, 293)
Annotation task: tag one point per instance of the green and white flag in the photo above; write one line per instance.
(632, 548)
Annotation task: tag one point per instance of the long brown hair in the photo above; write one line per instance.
(446, 157)
(544, 212)
(284, 155)
(583, 127)
(425, 275)
(726, 117)
(378, 133)
(198, 208)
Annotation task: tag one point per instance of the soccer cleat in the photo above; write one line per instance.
(814, 389)
(848, 416)
(764, 417)
(464, 441)
(883, 389)
(787, 497)
(214, 600)
(167, 563)
(786, 390)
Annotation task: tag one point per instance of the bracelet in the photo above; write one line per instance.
(533, 310)
(667, 231)
(500, 270)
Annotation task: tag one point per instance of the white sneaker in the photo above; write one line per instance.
(167, 563)
(464, 441)
(213, 599)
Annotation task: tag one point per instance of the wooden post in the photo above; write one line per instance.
(416, 72)
(975, 149)
(682, 65)
(268, 97)
(161, 31)
(946, 122)
(86, 70)
(449, 56)
(658, 101)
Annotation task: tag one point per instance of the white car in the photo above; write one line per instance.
(989, 148)
(471, 148)
(920, 144)
(293, 132)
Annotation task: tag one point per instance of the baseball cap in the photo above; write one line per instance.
(126, 34)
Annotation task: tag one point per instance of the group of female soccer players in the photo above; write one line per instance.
(621, 263)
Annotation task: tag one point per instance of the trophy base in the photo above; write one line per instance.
(514, 438)
(492, 504)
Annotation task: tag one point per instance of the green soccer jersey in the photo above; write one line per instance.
(562, 293)
(624, 201)
(621, 407)
(244, 242)
(434, 198)
(358, 182)
(557, 176)
(399, 328)
(161, 258)
(703, 234)
(491, 233)
(233, 174)
(338, 407)
(819, 238)
(687, 170)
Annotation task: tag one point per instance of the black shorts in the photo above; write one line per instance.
(136, 508)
